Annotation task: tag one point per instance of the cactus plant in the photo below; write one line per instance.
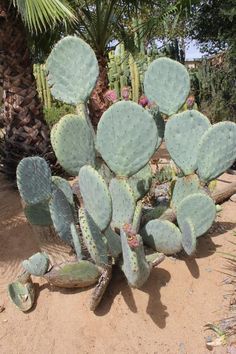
(42, 85)
(22, 292)
(123, 202)
(183, 148)
(37, 264)
(162, 236)
(111, 217)
(139, 138)
(73, 128)
(73, 274)
(96, 196)
(171, 89)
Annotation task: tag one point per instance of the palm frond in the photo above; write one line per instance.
(41, 14)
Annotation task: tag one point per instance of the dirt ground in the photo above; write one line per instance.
(167, 315)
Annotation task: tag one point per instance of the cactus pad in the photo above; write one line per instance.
(188, 237)
(93, 238)
(167, 84)
(72, 70)
(37, 264)
(38, 214)
(126, 137)
(140, 182)
(22, 294)
(65, 187)
(217, 150)
(137, 217)
(162, 236)
(198, 208)
(62, 215)
(183, 135)
(135, 266)
(34, 180)
(123, 202)
(73, 275)
(113, 242)
(96, 196)
(184, 186)
(76, 241)
(73, 144)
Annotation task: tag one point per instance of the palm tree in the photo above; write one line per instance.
(26, 132)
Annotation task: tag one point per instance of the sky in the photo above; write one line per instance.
(192, 52)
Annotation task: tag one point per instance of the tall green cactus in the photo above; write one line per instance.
(110, 210)
(42, 85)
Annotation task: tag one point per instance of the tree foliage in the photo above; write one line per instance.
(214, 25)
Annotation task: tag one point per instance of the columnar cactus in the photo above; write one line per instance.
(109, 221)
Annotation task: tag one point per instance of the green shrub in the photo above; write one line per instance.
(58, 110)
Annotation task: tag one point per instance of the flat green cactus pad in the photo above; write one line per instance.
(135, 265)
(34, 180)
(140, 182)
(73, 275)
(72, 70)
(137, 217)
(96, 196)
(73, 144)
(37, 264)
(38, 214)
(126, 137)
(162, 236)
(113, 242)
(184, 186)
(93, 238)
(76, 241)
(65, 187)
(217, 150)
(123, 202)
(167, 84)
(62, 215)
(198, 208)
(183, 135)
(22, 295)
(188, 237)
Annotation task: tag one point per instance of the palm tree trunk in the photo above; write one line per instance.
(26, 132)
(98, 104)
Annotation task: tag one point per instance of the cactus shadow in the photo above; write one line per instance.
(206, 246)
(155, 308)
(118, 285)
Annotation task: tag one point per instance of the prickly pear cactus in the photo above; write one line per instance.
(34, 180)
(96, 196)
(110, 225)
(72, 70)
(135, 265)
(217, 150)
(183, 134)
(73, 143)
(37, 264)
(126, 150)
(167, 84)
(162, 236)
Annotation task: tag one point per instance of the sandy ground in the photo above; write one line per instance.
(167, 315)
